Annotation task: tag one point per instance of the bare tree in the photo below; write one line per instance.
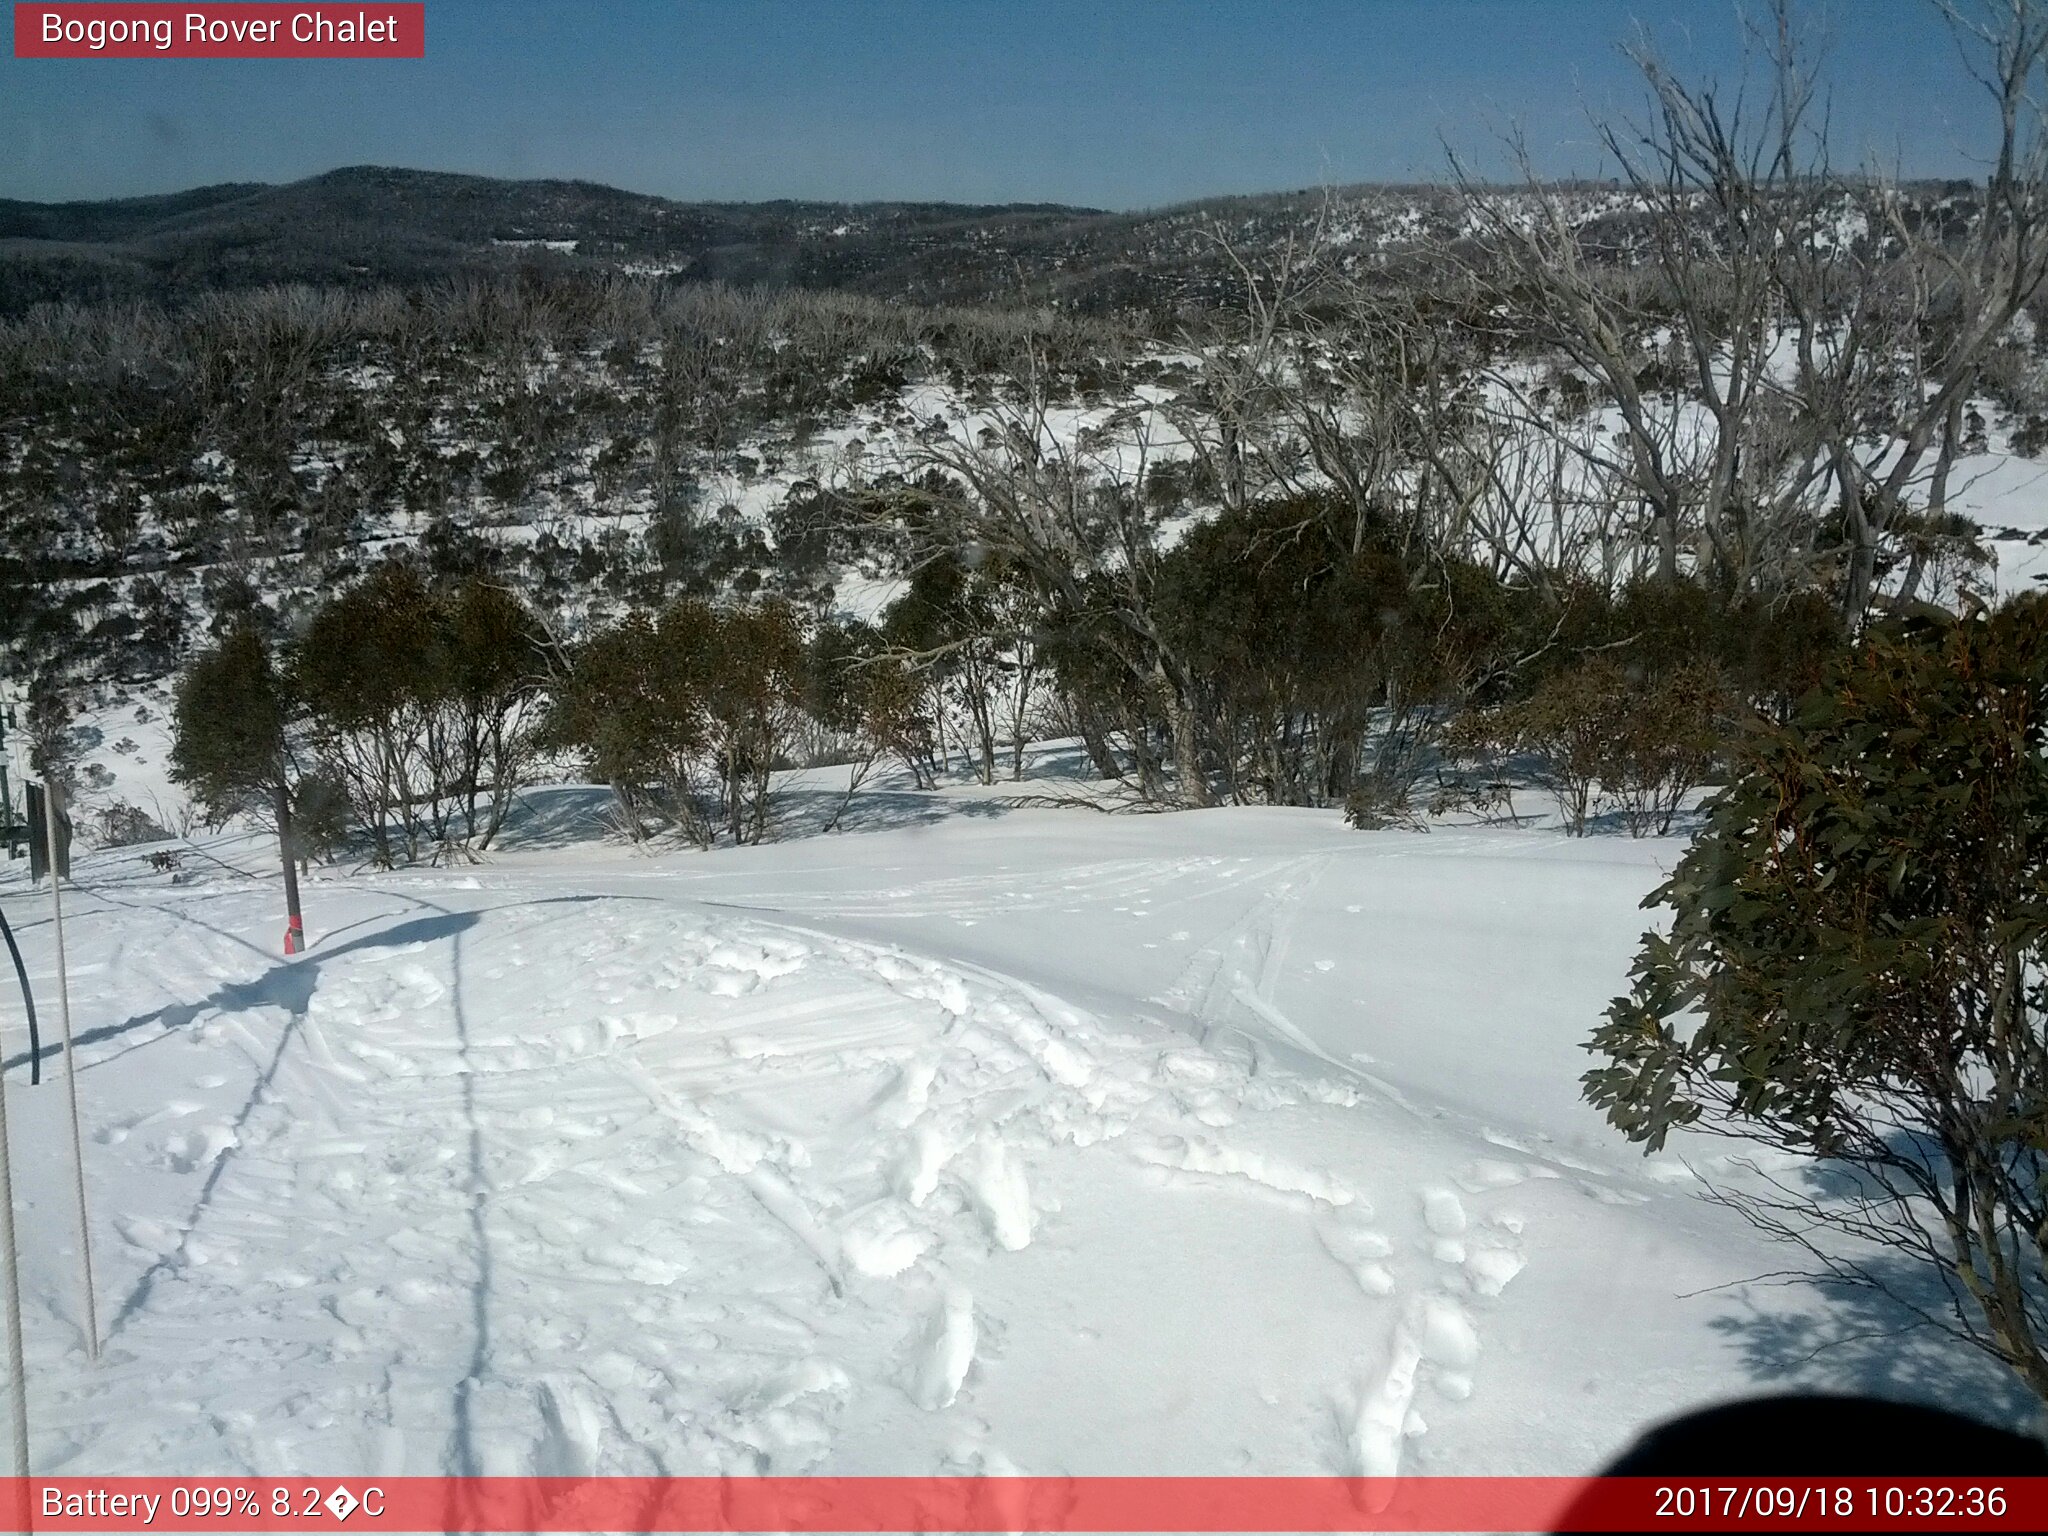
(1935, 312)
(1783, 349)
(1057, 495)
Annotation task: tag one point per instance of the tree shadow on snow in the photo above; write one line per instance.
(1822, 1333)
(566, 816)
(557, 816)
(808, 812)
(287, 985)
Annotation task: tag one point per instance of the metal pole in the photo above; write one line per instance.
(10, 1266)
(92, 1317)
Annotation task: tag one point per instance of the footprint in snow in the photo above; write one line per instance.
(882, 1241)
(1444, 1214)
(995, 1182)
(153, 1237)
(188, 1154)
(1359, 1248)
(917, 1169)
(1491, 1173)
(1433, 1334)
(942, 1352)
(1489, 1257)
(1491, 1267)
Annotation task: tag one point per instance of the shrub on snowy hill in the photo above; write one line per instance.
(626, 705)
(1854, 973)
(1628, 702)
(1328, 659)
(964, 629)
(424, 705)
(687, 713)
(1602, 730)
(121, 825)
(869, 703)
(46, 723)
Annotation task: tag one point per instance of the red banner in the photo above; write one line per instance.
(1110, 1504)
(220, 31)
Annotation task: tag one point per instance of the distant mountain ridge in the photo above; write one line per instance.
(375, 225)
(371, 226)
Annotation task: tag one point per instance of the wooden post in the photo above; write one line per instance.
(294, 924)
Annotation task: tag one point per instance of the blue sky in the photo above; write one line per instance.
(1111, 103)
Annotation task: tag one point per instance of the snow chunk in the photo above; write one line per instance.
(944, 1351)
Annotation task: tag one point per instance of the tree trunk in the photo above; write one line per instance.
(1096, 742)
(1187, 759)
(623, 795)
(1862, 530)
(1860, 580)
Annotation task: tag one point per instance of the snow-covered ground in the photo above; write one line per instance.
(2008, 495)
(992, 1139)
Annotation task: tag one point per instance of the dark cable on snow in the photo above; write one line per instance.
(28, 1002)
(223, 863)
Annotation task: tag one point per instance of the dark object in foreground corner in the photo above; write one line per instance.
(1849, 1436)
(1811, 1435)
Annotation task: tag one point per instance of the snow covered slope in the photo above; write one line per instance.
(1026, 1140)
(2008, 494)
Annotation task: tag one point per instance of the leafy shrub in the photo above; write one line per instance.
(687, 713)
(424, 706)
(1673, 730)
(1602, 729)
(1857, 954)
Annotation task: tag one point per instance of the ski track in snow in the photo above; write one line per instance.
(499, 1180)
(1432, 1336)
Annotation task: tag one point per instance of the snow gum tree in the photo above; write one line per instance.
(232, 747)
(631, 706)
(1786, 349)
(1855, 973)
(365, 667)
(692, 705)
(754, 667)
(869, 705)
(425, 703)
(964, 628)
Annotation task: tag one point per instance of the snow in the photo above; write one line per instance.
(2008, 495)
(124, 751)
(996, 1139)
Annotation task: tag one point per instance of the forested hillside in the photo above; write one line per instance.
(1348, 498)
